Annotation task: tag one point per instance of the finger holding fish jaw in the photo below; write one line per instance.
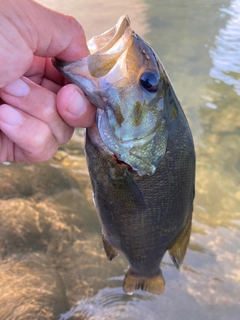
(74, 108)
(34, 121)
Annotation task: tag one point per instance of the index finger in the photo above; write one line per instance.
(42, 68)
(50, 33)
(35, 30)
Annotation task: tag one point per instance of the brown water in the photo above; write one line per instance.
(52, 262)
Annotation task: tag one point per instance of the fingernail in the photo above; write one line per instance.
(17, 88)
(9, 115)
(77, 105)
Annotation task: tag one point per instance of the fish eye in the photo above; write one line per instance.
(149, 81)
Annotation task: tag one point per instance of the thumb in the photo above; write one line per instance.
(74, 107)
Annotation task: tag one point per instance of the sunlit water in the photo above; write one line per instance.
(53, 265)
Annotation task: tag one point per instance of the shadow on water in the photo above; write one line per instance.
(52, 262)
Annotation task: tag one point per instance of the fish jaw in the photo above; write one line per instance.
(106, 40)
(77, 72)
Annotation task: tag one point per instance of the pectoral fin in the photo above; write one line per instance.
(153, 285)
(133, 193)
(111, 251)
(127, 190)
(179, 248)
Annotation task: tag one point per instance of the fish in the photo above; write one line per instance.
(140, 154)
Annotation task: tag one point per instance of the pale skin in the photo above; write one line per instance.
(37, 112)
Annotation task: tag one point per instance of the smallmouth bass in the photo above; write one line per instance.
(140, 154)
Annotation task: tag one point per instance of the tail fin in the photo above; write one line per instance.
(153, 285)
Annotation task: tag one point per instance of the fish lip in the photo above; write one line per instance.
(124, 19)
(58, 64)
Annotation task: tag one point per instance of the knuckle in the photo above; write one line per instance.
(16, 70)
(74, 24)
(43, 146)
(77, 30)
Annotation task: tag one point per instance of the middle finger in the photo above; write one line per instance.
(39, 103)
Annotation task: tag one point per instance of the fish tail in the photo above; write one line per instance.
(153, 285)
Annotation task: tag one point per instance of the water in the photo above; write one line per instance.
(53, 265)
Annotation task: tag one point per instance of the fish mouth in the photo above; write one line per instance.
(58, 64)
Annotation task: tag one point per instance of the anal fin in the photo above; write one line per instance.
(178, 249)
(111, 251)
(154, 285)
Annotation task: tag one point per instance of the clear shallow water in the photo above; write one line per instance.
(51, 251)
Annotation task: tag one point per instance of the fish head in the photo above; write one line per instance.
(124, 79)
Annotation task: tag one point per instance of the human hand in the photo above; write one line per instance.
(36, 112)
